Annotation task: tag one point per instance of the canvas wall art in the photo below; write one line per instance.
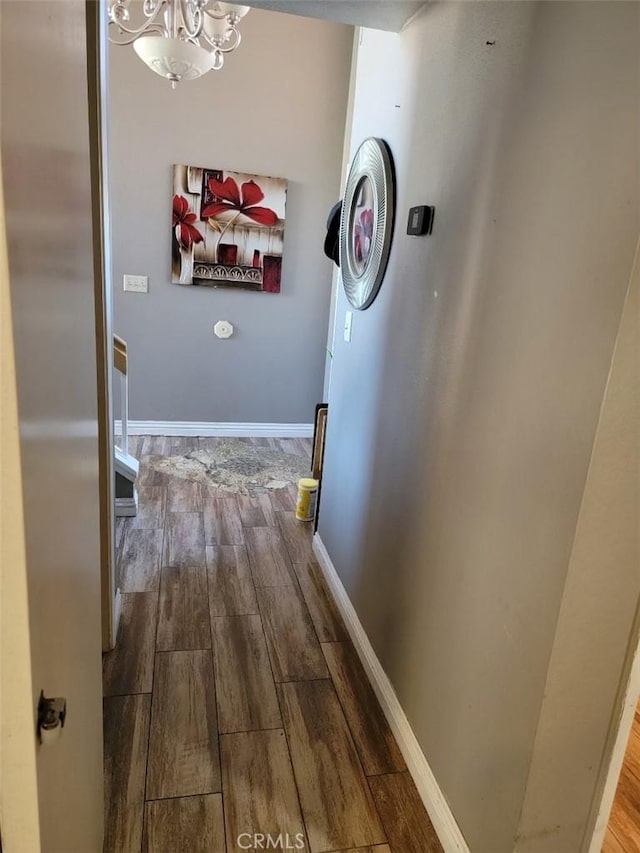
(227, 229)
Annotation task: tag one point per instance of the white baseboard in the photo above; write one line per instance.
(435, 803)
(206, 428)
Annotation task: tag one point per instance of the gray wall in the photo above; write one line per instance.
(277, 108)
(462, 415)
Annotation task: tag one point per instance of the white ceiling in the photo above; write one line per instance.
(377, 14)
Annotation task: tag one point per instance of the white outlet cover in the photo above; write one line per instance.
(223, 329)
(136, 283)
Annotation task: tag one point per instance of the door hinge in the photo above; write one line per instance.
(51, 716)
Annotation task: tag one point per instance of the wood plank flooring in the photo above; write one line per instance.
(403, 815)
(193, 824)
(245, 688)
(293, 644)
(259, 788)
(183, 617)
(378, 750)
(183, 740)
(231, 589)
(126, 727)
(123, 672)
(236, 710)
(334, 794)
(623, 831)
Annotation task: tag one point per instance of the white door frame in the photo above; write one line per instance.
(97, 63)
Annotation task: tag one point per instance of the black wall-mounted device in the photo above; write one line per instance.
(421, 220)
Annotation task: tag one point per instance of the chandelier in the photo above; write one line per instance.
(179, 39)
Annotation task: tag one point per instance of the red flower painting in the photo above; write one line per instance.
(239, 200)
(186, 232)
(228, 229)
(363, 236)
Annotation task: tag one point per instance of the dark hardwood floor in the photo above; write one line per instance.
(234, 702)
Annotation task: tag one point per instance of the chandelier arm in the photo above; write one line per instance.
(213, 43)
(152, 28)
(150, 25)
(236, 44)
(192, 19)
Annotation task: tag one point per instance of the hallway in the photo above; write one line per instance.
(235, 705)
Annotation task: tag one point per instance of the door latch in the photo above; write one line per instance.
(51, 716)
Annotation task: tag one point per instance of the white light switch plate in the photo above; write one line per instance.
(136, 283)
(348, 317)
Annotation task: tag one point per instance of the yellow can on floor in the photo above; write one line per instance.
(307, 499)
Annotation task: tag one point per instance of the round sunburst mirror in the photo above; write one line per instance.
(366, 224)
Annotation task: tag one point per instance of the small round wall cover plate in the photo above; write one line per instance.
(366, 224)
(223, 329)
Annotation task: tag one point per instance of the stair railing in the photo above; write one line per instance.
(120, 362)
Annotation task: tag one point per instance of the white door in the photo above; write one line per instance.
(44, 142)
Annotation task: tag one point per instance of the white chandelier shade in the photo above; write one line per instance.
(172, 58)
(179, 39)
